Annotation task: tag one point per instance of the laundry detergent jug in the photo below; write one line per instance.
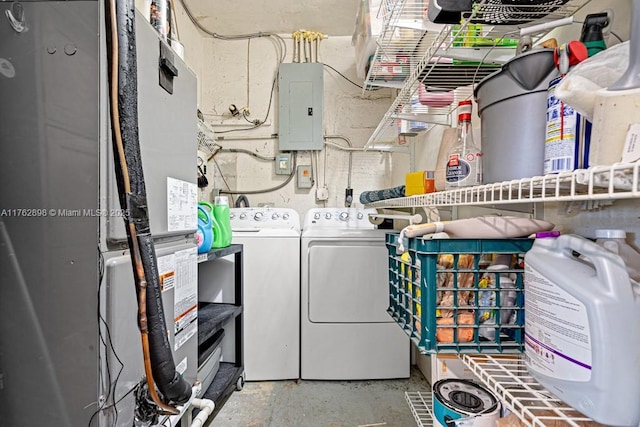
(215, 227)
(221, 213)
(582, 328)
(204, 234)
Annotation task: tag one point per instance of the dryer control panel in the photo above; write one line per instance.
(342, 218)
(261, 218)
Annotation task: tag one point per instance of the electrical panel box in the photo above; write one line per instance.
(303, 178)
(300, 93)
(283, 164)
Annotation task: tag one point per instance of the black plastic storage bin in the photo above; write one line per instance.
(447, 299)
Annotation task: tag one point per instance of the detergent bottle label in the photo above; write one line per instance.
(557, 337)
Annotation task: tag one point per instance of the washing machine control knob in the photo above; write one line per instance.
(285, 216)
(360, 216)
(275, 216)
(316, 216)
(243, 215)
(232, 215)
(327, 215)
(344, 216)
(258, 216)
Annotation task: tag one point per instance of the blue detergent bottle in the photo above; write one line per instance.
(215, 227)
(204, 234)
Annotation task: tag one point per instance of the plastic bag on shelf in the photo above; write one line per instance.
(578, 88)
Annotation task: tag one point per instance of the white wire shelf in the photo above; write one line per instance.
(507, 377)
(428, 62)
(421, 404)
(599, 183)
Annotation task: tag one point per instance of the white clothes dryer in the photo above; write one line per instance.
(271, 259)
(346, 332)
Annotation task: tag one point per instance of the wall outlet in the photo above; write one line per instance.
(322, 194)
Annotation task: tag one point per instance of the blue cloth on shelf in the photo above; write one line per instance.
(377, 195)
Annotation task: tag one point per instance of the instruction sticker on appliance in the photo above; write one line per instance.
(167, 272)
(185, 307)
(182, 205)
(557, 340)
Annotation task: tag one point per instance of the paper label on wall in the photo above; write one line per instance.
(557, 340)
(182, 205)
(185, 309)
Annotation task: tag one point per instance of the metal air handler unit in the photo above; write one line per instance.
(69, 340)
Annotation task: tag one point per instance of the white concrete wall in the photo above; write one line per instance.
(241, 73)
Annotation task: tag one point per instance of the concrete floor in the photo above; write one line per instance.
(322, 403)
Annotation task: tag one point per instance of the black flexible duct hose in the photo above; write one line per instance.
(172, 386)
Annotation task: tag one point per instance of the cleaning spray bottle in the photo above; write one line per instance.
(582, 328)
(592, 32)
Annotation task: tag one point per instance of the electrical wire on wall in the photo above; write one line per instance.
(350, 149)
(267, 190)
(281, 50)
(266, 116)
(108, 388)
(249, 152)
(342, 75)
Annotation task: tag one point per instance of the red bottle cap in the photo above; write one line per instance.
(464, 110)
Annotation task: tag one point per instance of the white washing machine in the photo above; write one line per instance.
(271, 258)
(346, 332)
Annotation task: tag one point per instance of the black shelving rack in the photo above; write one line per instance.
(212, 318)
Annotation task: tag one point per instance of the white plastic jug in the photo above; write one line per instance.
(614, 241)
(582, 328)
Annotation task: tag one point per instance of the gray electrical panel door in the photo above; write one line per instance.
(301, 106)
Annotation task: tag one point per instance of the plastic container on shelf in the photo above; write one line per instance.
(583, 328)
(434, 99)
(614, 241)
(512, 105)
(215, 227)
(464, 163)
(221, 214)
(438, 304)
(204, 233)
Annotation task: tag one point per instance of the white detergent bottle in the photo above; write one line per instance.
(614, 240)
(582, 328)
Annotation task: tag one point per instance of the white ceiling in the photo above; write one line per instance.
(229, 17)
